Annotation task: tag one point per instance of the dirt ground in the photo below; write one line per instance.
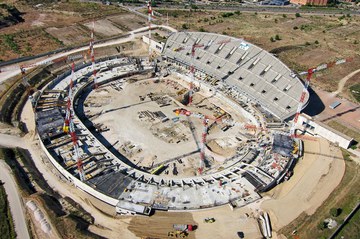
(54, 26)
(158, 141)
(227, 224)
(316, 175)
(348, 113)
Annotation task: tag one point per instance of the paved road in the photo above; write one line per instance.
(16, 206)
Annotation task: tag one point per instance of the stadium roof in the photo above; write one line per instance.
(249, 69)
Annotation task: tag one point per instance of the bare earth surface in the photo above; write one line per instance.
(315, 177)
(347, 113)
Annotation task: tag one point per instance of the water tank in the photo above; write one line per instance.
(45, 226)
(38, 215)
(30, 204)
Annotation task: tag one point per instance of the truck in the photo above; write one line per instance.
(183, 227)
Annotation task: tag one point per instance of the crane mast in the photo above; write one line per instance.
(92, 54)
(309, 74)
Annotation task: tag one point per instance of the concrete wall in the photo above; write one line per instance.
(320, 129)
(310, 2)
(154, 45)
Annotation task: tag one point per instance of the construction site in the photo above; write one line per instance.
(194, 123)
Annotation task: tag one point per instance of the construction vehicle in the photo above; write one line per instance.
(177, 234)
(209, 220)
(183, 227)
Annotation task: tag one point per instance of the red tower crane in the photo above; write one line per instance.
(205, 121)
(68, 106)
(92, 54)
(192, 67)
(70, 128)
(309, 74)
(150, 15)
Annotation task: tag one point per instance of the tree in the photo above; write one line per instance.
(284, 16)
(297, 14)
(277, 37)
(272, 39)
(322, 225)
(316, 42)
(295, 28)
(335, 212)
(184, 26)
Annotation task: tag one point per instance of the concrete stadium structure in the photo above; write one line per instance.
(248, 69)
(113, 179)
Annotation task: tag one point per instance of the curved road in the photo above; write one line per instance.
(16, 206)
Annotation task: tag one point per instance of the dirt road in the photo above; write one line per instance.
(343, 81)
(14, 198)
(315, 177)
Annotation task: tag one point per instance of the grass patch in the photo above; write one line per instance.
(10, 42)
(7, 228)
(345, 196)
(352, 228)
(355, 91)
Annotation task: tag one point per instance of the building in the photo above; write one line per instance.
(316, 128)
(310, 2)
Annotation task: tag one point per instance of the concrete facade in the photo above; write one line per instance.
(306, 123)
(310, 2)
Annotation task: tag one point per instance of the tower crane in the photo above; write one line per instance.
(150, 15)
(192, 67)
(309, 74)
(69, 127)
(68, 104)
(92, 54)
(205, 121)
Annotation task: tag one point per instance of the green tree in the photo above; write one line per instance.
(335, 212)
(277, 37)
(184, 26)
(297, 14)
(272, 39)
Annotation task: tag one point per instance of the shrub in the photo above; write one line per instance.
(335, 212)
(284, 16)
(272, 39)
(297, 14)
(295, 28)
(277, 37)
(227, 14)
(316, 42)
(184, 26)
(322, 225)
